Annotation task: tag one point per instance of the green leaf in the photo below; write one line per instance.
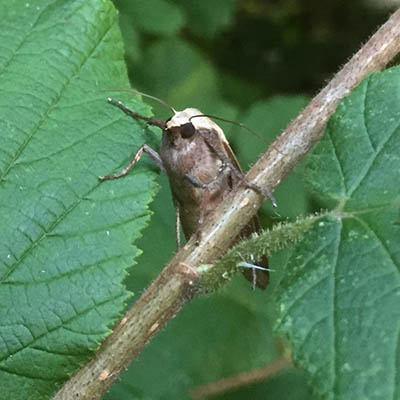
(132, 39)
(339, 300)
(163, 78)
(186, 80)
(205, 18)
(65, 241)
(152, 16)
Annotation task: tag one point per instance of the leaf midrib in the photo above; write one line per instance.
(52, 104)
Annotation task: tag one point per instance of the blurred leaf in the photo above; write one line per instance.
(65, 241)
(206, 18)
(186, 80)
(166, 63)
(213, 337)
(268, 119)
(339, 300)
(287, 385)
(239, 91)
(152, 16)
(132, 39)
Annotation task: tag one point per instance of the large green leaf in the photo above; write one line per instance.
(65, 241)
(339, 300)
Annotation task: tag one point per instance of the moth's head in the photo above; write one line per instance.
(185, 123)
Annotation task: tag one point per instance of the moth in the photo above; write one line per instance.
(202, 170)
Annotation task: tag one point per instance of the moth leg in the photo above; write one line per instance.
(199, 184)
(207, 188)
(177, 225)
(145, 148)
(212, 142)
(195, 181)
(206, 197)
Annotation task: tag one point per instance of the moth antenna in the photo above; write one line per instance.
(240, 124)
(151, 121)
(149, 96)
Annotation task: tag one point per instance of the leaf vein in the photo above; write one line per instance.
(22, 41)
(308, 334)
(338, 161)
(335, 319)
(52, 104)
(396, 383)
(364, 172)
(314, 255)
(71, 272)
(94, 306)
(380, 240)
(364, 119)
(35, 242)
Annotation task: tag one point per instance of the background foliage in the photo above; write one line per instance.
(257, 62)
(253, 61)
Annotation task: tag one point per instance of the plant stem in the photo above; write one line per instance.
(239, 380)
(177, 282)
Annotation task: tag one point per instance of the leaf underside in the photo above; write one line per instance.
(339, 301)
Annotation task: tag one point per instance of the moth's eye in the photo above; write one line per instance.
(187, 130)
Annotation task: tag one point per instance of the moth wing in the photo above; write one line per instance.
(230, 153)
(261, 277)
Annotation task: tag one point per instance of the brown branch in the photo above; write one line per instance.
(239, 380)
(176, 284)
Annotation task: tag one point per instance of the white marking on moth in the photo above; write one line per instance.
(189, 145)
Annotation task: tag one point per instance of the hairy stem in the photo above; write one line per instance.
(176, 284)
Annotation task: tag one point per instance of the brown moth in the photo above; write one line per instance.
(202, 170)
